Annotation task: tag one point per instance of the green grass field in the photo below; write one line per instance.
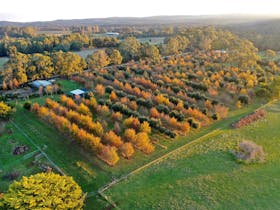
(206, 176)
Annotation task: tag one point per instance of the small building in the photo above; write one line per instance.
(77, 92)
(40, 83)
(112, 34)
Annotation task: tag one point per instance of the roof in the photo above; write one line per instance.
(112, 33)
(77, 92)
(38, 83)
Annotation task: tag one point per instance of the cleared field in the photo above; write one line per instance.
(152, 40)
(205, 176)
(85, 53)
(2, 61)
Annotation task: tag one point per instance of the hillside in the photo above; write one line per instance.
(189, 20)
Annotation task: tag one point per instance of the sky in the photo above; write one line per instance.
(42, 10)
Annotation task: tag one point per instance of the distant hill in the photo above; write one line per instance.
(189, 20)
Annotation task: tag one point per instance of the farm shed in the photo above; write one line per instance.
(40, 83)
(77, 92)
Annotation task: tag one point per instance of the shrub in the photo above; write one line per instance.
(216, 116)
(259, 114)
(27, 105)
(244, 99)
(196, 125)
(249, 152)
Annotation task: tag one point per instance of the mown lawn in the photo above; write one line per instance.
(68, 85)
(206, 176)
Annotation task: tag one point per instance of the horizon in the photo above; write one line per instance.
(155, 16)
(31, 11)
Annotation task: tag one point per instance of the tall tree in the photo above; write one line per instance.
(98, 59)
(115, 56)
(130, 48)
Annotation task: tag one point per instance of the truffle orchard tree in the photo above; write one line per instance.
(127, 150)
(44, 191)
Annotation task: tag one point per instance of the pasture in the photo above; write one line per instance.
(206, 176)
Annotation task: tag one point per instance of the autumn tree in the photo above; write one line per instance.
(40, 66)
(130, 48)
(114, 56)
(145, 127)
(127, 150)
(44, 190)
(4, 85)
(150, 52)
(100, 90)
(5, 110)
(113, 96)
(68, 63)
(154, 113)
(112, 139)
(109, 155)
(116, 116)
(132, 122)
(15, 83)
(142, 142)
(98, 60)
(130, 135)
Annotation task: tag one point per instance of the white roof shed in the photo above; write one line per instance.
(77, 92)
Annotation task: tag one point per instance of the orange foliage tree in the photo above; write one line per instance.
(130, 135)
(127, 150)
(132, 122)
(112, 139)
(109, 155)
(145, 127)
(143, 143)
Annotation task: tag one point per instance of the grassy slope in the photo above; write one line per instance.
(206, 176)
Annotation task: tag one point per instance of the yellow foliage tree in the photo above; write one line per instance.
(5, 110)
(44, 191)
